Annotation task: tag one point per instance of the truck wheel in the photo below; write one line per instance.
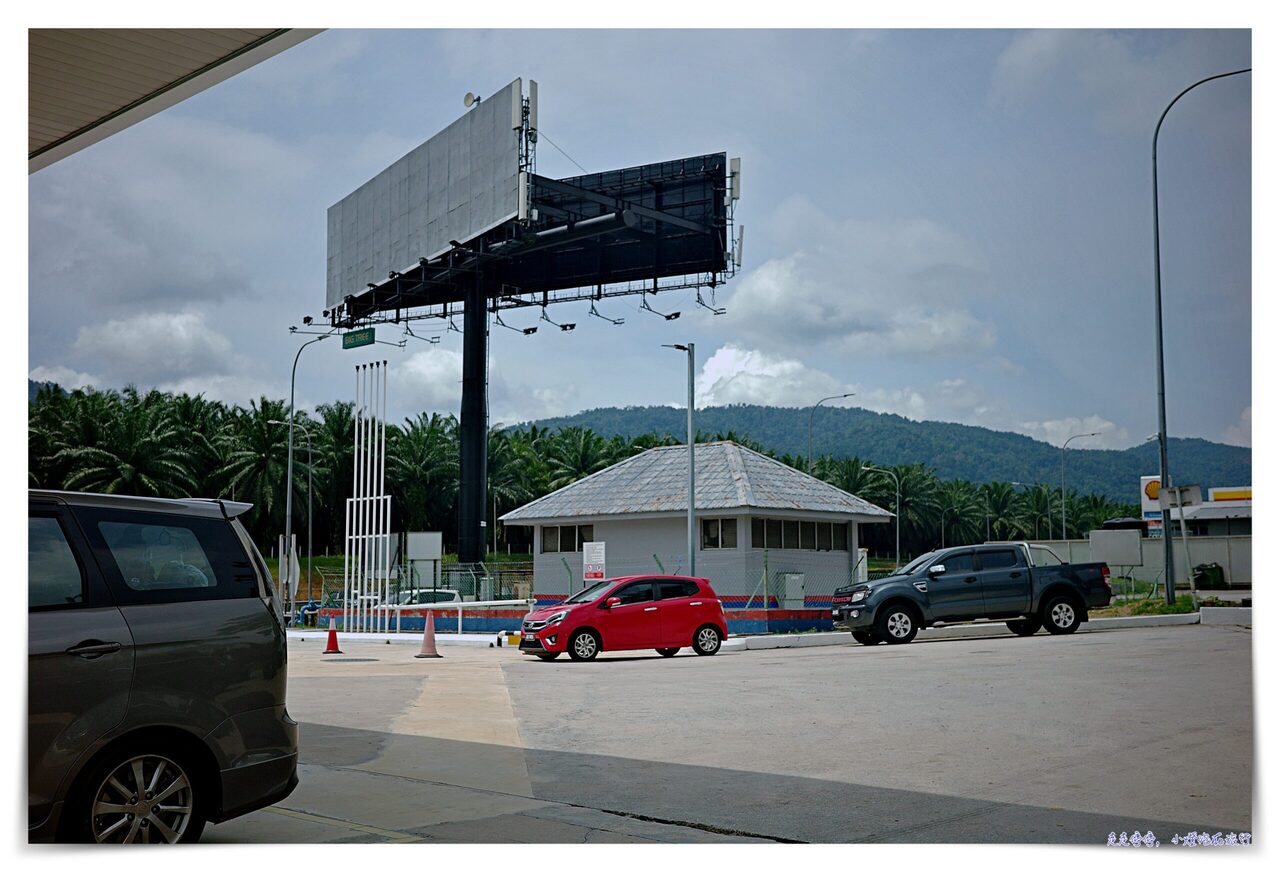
(866, 637)
(1025, 626)
(1061, 615)
(897, 624)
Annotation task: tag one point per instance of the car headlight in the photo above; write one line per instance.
(557, 617)
(859, 595)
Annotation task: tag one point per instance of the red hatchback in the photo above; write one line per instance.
(663, 612)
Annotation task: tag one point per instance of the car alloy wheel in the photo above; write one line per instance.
(707, 641)
(585, 646)
(899, 625)
(146, 799)
(1062, 615)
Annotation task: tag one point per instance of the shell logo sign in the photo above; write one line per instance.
(1150, 496)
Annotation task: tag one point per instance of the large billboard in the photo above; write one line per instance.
(455, 186)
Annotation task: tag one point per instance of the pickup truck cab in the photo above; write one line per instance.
(1013, 582)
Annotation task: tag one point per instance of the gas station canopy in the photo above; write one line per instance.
(84, 85)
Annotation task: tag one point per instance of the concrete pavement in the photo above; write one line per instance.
(992, 739)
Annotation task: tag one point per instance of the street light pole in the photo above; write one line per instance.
(813, 409)
(897, 511)
(1164, 432)
(1064, 481)
(688, 349)
(288, 490)
(311, 462)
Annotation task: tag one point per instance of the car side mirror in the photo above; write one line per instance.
(612, 601)
(937, 569)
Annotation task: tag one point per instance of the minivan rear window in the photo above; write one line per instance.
(162, 558)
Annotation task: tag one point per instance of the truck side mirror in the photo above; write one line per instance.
(937, 569)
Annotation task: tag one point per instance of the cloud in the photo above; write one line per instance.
(737, 375)
(1241, 433)
(63, 376)
(863, 288)
(431, 380)
(1055, 432)
(155, 348)
(1123, 78)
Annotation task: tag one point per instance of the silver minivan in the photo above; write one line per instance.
(156, 670)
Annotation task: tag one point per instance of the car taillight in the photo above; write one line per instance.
(1106, 576)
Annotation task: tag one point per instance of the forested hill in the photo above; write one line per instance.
(951, 450)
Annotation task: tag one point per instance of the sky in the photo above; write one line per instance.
(953, 225)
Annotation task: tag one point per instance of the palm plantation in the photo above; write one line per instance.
(159, 444)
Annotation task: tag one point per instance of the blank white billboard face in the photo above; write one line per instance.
(458, 184)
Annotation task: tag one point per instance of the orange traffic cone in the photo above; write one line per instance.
(332, 646)
(429, 638)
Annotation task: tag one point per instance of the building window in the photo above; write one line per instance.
(777, 534)
(566, 538)
(719, 533)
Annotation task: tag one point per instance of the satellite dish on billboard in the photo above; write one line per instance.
(470, 100)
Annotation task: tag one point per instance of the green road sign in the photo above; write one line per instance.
(357, 338)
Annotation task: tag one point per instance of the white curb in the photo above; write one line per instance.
(1227, 616)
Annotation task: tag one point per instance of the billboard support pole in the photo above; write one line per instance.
(472, 436)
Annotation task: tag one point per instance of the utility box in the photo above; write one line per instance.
(792, 590)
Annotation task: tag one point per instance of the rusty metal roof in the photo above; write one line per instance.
(83, 85)
(729, 476)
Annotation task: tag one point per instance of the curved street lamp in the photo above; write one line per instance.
(1164, 432)
(813, 409)
(897, 510)
(1064, 481)
(288, 490)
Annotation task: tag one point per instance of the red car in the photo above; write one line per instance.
(663, 612)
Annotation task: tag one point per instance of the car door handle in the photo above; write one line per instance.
(696, 604)
(1015, 575)
(93, 648)
(971, 579)
(651, 609)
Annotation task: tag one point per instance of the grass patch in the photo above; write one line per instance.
(1182, 605)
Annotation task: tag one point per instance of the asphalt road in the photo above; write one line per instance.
(997, 739)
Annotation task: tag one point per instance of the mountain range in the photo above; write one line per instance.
(960, 451)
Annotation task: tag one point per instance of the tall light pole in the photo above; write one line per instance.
(1064, 480)
(897, 511)
(1165, 481)
(288, 489)
(688, 349)
(813, 409)
(311, 461)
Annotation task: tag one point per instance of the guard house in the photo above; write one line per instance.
(759, 525)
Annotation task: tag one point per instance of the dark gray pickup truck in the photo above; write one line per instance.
(1026, 586)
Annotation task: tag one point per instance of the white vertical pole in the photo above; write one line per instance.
(367, 515)
(360, 501)
(382, 491)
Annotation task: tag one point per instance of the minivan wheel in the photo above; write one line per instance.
(1061, 615)
(897, 624)
(866, 637)
(667, 652)
(584, 645)
(141, 795)
(1024, 626)
(706, 641)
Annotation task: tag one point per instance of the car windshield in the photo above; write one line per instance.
(589, 594)
(922, 560)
